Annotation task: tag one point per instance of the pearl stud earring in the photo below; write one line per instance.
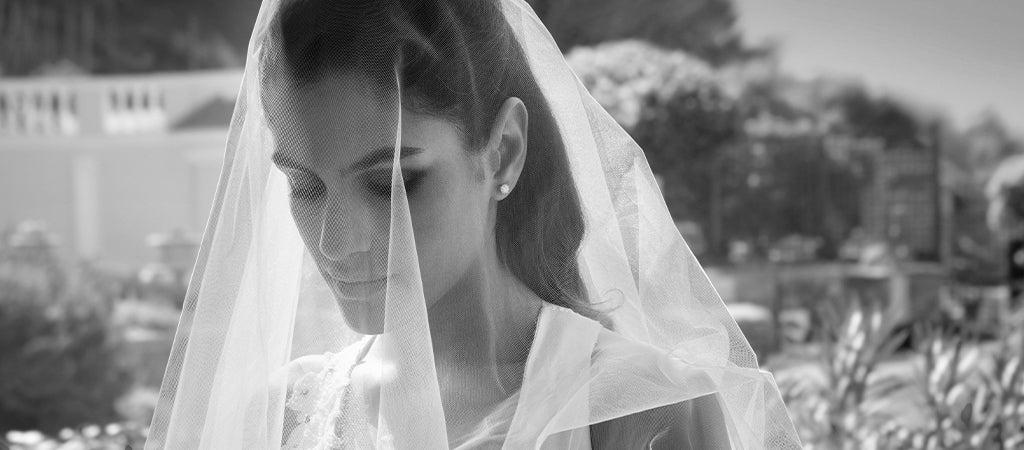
(504, 189)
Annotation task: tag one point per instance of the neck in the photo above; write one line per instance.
(482, 329)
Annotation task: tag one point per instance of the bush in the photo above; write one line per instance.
(970, 393)
(113, 436)
(58, 365)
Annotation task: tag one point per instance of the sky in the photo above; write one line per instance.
(961, 56)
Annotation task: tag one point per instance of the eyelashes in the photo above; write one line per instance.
(381, 186)
(306, 187)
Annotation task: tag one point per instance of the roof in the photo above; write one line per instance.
(214, 113)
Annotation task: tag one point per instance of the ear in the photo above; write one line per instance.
(506, 146)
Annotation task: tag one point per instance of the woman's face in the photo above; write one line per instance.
(337, 150)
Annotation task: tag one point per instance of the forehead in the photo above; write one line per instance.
(336, 119)
(340, 123)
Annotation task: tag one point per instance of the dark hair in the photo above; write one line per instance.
(458, 59)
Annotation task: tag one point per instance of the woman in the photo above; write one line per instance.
(428, 235)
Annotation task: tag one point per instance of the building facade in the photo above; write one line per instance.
(106, 162)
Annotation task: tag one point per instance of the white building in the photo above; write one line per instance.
(107, 161)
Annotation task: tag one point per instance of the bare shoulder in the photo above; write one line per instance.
(692, 424)
(698, 423)
(637, 430)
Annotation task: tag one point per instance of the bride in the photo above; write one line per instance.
(428, 235)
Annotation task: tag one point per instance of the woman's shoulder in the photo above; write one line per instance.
(609, 347)
(644, 429)
(693, 424)
(650, 374)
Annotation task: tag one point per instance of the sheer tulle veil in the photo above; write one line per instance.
(428, 235)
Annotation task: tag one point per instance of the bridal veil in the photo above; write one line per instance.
(315, 311)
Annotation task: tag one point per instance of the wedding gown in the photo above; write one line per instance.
(324, 380)
(579, 345)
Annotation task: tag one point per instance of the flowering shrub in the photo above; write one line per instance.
(972, 404)
(114, 436)
(58, 351)
(971, 393)
(831, 413)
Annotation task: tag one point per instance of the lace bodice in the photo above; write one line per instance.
(321, 401)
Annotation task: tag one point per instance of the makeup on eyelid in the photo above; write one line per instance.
(378, 184)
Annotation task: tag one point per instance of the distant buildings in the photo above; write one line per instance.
(902, 202)
(106, 162)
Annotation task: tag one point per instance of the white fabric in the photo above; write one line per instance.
(562, 348)
(409, 303)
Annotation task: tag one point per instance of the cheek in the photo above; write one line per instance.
(307, 220)
(449, 228)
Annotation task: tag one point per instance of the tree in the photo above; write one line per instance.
(985, 145)
(113, 36)
(675, 109)
(704, 28)
(59, 366)
(1005, 192)
(885, 118)
(120, 36)
(983, 170)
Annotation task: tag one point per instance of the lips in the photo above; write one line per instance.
(352, 277)
(355, 286)
(359, 290)
(360, 282)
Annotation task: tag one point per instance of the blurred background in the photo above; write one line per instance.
(851, 174)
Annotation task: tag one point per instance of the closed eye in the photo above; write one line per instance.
(305, 187)
(379, 184)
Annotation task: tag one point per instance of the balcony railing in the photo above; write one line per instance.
(108, 105)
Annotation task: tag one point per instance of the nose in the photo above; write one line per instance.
(345, 230)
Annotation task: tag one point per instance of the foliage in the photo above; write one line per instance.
(120, 36)
(739, 142)
(885, 118)
(697, 125)
(117, 36)
(985, 177)
(705, 28)
(795, 189)
(973, 394)
(113, 436)
(58, 366)
(623, 75)
(677, 110)
(1005, 192)
(854, 341)
(152, 315)
(971, 412)
(689, 135)
(983, 146)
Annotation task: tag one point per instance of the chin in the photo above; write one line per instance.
(363, 315)
(363, 306)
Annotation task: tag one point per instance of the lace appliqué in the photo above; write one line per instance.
(324, 406)
(316, 399)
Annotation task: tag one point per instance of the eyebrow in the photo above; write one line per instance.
(378, 156)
